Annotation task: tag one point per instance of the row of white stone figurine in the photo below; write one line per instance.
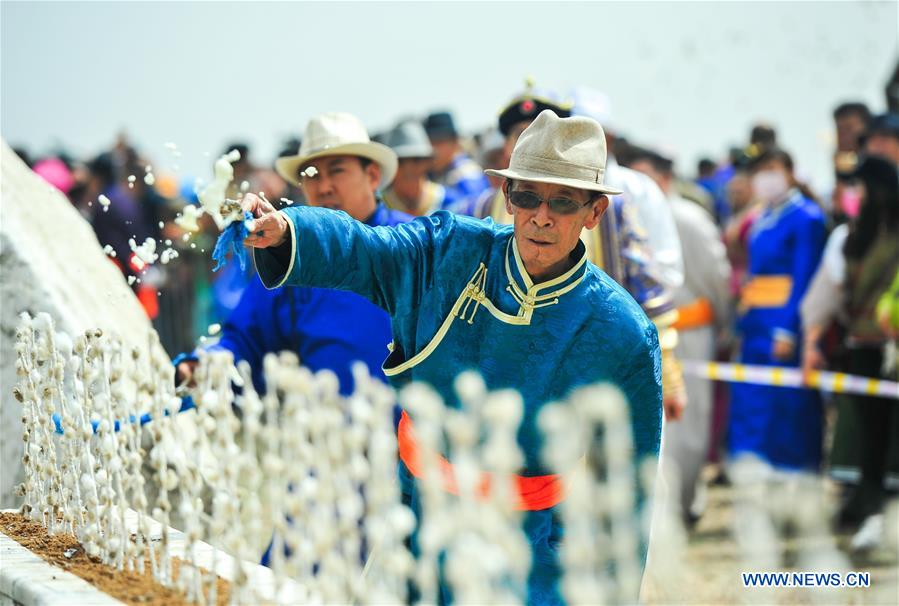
(312, 469)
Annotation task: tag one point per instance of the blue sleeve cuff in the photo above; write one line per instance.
(782, 334)
(187, 356)
(270, 263)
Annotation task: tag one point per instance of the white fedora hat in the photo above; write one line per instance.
(563, 151)
(337, 134)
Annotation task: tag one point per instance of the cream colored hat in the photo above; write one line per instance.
(564, 151)
(337, 134)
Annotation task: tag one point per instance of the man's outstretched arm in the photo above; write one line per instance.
(319, 247)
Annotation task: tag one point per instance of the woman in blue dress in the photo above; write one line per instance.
(782, 426)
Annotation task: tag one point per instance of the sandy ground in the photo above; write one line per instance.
(706, 568)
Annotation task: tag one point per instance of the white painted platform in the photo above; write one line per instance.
(28, 580)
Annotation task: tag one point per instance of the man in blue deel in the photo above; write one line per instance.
(521, 304)
(338, 168)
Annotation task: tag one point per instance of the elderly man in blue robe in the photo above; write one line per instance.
(644, 262)
(521, 304)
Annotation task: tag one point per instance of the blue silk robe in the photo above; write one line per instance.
(459, 298)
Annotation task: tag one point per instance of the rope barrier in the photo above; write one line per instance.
(782, 376)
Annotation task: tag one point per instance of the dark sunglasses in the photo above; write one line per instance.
(529, 200)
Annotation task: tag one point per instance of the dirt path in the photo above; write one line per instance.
(707, 570)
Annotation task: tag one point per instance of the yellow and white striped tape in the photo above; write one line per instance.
(780, 376)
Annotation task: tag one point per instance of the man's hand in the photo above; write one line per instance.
(269, 228)
(782, 349)
(674, 406)
(184, 373)
(812, 359)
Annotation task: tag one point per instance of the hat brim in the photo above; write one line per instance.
(409, 152)
(543, 178)
(289, 166)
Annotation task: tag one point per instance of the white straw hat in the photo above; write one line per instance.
(564, 151)
(337, 134)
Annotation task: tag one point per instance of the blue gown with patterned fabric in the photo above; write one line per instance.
(781, 425)
(542, 339)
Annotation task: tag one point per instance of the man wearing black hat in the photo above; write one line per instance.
(463, 179)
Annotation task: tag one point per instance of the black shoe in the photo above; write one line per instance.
(864, 501)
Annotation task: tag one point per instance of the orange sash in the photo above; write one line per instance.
(534, 492)
(697, 314)
(766, 291)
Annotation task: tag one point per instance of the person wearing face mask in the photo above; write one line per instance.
(781, 426)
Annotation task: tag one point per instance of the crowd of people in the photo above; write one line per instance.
(741, 261)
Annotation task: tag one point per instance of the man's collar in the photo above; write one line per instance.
(379, 216)
(521, 282)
